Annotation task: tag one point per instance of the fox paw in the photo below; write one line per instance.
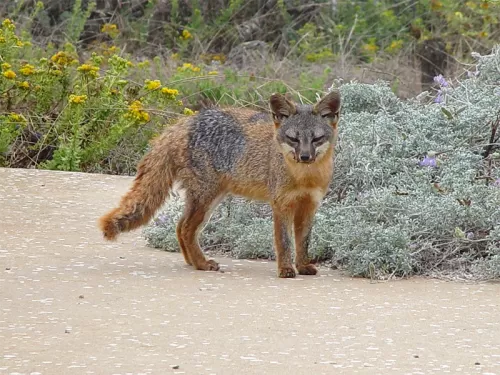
(307, 269)
(211, 265)
(286, 272)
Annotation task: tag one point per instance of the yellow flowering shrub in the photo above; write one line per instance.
(24, 85)
(77, 99)
(186, 35)
(16, 117)
(27, 70)
(136, 111)
(98, 114)
(62, 58)
(170, 93)
(9, 74)
(152, 85)
(188, 67)
(188, 112)
(88, 69)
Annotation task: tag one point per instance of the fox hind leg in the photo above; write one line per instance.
(197, 213)
(184, 252)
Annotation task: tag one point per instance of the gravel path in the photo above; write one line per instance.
(72, 304)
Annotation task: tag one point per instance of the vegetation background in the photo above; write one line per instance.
(85, 85)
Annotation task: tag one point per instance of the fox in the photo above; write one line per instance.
(284, 157)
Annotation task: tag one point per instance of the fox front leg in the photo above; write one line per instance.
(282, 244)
(302, 223)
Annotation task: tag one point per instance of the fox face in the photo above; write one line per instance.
(305, 132)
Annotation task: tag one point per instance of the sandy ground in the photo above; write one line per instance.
(72, 304)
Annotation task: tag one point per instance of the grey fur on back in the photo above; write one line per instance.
(219, 136)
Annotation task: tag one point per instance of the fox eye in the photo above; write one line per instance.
(318, 139)
(329, 115)
(292, 139)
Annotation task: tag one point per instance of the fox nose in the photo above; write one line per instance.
(305, 157)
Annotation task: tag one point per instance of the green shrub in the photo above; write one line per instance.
(416, 187)
(97, 111)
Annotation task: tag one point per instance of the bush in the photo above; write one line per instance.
(416, 187)
(97, 111)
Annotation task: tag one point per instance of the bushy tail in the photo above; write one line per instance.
(151, 186)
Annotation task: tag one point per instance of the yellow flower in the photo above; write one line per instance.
(152, 85)
(20, 43)
(24, 85)
(213, 73)
(8, 24)
(9, 74)
(175, 56)
(395, 46)
(16, 117)
(188, 66)
(221, 58)
(483, 34)
(137, 112)
(2, 40)
(89, 69)
(56, 72)
(436, 4)
(484, 5)
(6, 66)
(62, 58)
(111, 29)
(27, 70)
(77, 99)
(188, 112)
(170, 93)
(143, 64)
(186, 35)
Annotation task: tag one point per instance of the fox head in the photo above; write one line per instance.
(305, 132)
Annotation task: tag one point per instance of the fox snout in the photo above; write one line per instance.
(306, 158)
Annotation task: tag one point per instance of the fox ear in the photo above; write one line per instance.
(281, 107)
(329, 107)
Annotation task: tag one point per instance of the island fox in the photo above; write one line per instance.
(285, 159)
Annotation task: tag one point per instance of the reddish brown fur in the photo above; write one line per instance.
(294, 197)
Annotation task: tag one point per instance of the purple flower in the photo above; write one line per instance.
(429, 161)
(497, 182)
(441, 81)
(439, 98)
(161, 219)
(470, 235)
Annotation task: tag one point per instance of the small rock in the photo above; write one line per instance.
(81, 296)
(175, 367)
(416, 356)
(222, 271)
(477, 364)
(7, 268)
(122, 257)
(67, 331)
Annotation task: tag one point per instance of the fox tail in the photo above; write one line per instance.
(152, 184)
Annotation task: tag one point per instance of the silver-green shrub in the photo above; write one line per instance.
(416, 187)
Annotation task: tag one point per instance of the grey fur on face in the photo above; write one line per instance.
(305, 132)
(219, 136)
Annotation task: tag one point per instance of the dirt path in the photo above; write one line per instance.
(72, 304)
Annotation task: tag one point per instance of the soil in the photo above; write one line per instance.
(71, 303)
